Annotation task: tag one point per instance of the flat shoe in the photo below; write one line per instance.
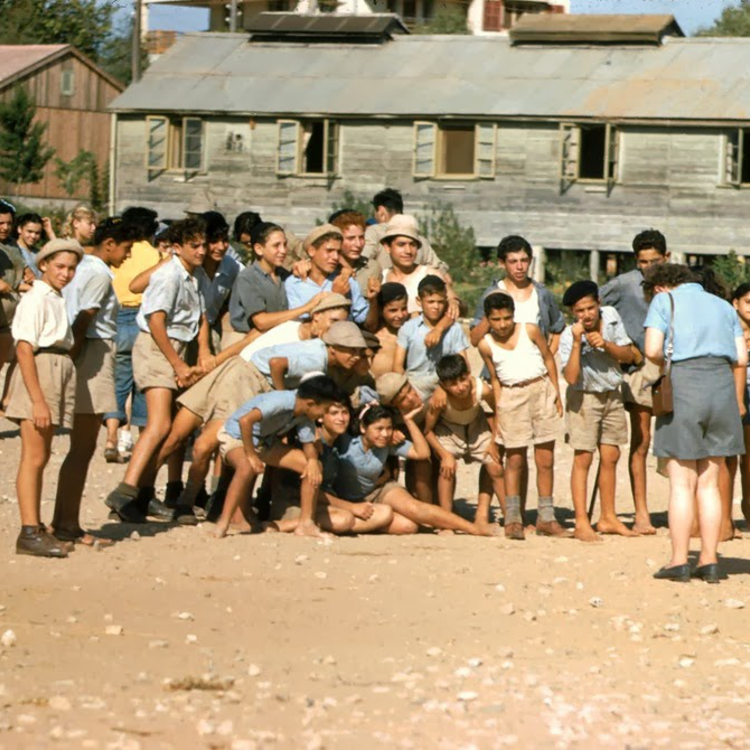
(185, 515)
(158, 509)
(39, 544)
(514, 531)
(112, 456)
(709, 573)
(679, 573)
(130, 513)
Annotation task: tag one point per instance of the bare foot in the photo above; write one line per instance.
(644, 526)
(270, 527)
(746, 511)
(586, 534)
(249, 525)
(485, 528)
(220, 530)
(729, 532)
(614, 527)
(308, 528)
(446, 532)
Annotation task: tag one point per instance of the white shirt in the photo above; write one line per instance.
(91, 289)
(526, 311)
(284, 333)
(41, 319)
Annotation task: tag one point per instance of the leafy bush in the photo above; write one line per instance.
(352, 202)
(732, 269)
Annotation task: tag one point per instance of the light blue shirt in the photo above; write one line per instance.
(174, 291)
(302, 356)
(600, 372)
(300, 291)
(358, 469)
(277, 409)
(421, 362)
(219, 288)
(704, 324)
(29, 258)
(91, 289)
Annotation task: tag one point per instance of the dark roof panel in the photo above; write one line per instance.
(296, 27)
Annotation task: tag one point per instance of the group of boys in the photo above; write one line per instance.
(254, 355)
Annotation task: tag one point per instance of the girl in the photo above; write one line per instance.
(362, 477)
(42, 388)
(30, 229)
(79, 225)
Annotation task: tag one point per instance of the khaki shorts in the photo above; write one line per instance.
(377, 495)
(95, 378)
(150, 367)
(527, 414)
(469, 441)
(231, 337)
(57, 378)
(595, 418)
(223, 391)
(633, 391)
(227, 444)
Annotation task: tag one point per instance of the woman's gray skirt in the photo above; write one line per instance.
(706, 419)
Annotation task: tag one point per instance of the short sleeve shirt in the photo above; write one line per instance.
(278, 419)
(255, 291)
(704, 325)
(42, 320)
(176, 292)
(303, 357)
(91, 289)
(360, 469)
(220, 287)
(625, 294)
(284, 333)
(600, 372)
(301, 291)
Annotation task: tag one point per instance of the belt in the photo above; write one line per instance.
(52, 350)
(524, 382)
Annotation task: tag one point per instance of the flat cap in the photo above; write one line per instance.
(373, 342)
(578, 290)
(60, 245)
(390, 385)
(331, 302)
(319, 232)
(402, 225)
(345, 333)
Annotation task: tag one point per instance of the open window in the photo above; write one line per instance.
(307, 147)
(174, 144)
(454, 150)
(588, 152)
(736, 164)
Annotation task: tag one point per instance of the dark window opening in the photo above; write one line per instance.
(745, 166)
(457, 150)
(593, 152)
(314, 148)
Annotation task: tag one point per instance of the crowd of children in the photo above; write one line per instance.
(322, 385)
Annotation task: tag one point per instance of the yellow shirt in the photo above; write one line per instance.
(142, 257)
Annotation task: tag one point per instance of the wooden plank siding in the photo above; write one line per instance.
(668, 178)
(76, 122)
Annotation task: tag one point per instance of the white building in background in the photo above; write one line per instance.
(482, 16)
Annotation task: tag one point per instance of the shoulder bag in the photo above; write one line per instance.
(661, 390)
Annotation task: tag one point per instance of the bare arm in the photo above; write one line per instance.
(484, 351)
(739, 370)
(235, 349)
(140, 282)
(246, 423)
(27, 364)
(420, 449)
(206, 360)
(279, 366)
(554, 343)
(536, 336)
(399, 359)
(654, 346)
(479, 331)
(265, 321)
(572, 370)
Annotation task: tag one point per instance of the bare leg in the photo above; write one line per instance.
(640, 440)
(683, 480)
(578, 487)
(745, 475)
(499, 483)
(112, 424)
(426, 514)
(419, 479)
(35, 452)
(727, 472)
(446, 491)
(709, 504)
(515, 468)
(184, 424)
(544, 458)
(400, 526)
(239, 489)
(484, 497)
(609, 523)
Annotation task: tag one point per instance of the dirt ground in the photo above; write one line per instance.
(172, 639)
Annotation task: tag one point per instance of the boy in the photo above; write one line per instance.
(92, 309)
(528, 409)
(251, 438)
(625, 294)
(459, 429)
(392, 303)
(172, 315)
(351, 224)
(325, 274)
(415, 354)
(741, 302)
(591, 352)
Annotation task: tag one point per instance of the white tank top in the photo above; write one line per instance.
(528, 310)
(465, 416)
(412, 285)
(517, 365)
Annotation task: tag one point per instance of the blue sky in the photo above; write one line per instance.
(691, 14)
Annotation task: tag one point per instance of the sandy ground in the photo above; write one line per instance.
(173, 639)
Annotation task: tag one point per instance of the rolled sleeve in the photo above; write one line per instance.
(160, 295)
(28, 323)
(401, 450)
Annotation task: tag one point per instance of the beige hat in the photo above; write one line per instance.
(402, 225)
(331, 302)
(390, 385)
(373, 342)
(59, 246)
(345, 333)
(319, 232)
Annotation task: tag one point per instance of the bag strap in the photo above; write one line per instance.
(670, 336)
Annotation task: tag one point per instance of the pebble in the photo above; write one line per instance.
(710, 629)
(135, 536)
(8, 639)
(434, 651)
(475, 662)
(300, 559)
(158, 644)
(596, 602)
(59, 703)
(113, 630)
(243, 745)
(321, 574)
(190, 639)
(734, 604)
(686, 661)
(508, 609)
(500, 588)
(467, 695)
(254, 670)
(463, 672)
(671, 627)
(185, 616)
(204, 728)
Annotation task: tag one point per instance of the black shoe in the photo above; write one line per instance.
(201, 499)
(34, 540)
(680, 573)
(158, 509)
(185, 515)
(172, 494)
(125, 505)
(709, 573)
(215, 506)
(131, 513)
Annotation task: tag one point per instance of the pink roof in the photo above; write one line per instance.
(15, 58)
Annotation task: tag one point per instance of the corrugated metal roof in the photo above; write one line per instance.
(435, 76)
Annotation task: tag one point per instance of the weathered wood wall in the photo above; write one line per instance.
(667, 178)
(74, 123)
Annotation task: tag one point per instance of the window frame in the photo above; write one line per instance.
(426, 150)
(67, 82)
(736, 160)
(569, 157)
(331, 148)
(173, 132)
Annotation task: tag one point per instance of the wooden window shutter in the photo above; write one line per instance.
(570, 142)
(425, 144)
(287, 157)
(734, 144)
(332, 147)
(157, 138)
(612, 155)
(484, 150)
(192, 144)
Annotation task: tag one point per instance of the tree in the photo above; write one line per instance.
(85, 24)
(733, 21)
(23, 151)
(116, 59)
(447, 20)
(71, 173)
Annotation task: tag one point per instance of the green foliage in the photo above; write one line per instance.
(733, 21)
(23, 151)
(99, 187)
(352, 202)
(732, 269)
(447, 20)
(562, 269)
(73, 172)
(86, 24)
(116, 57)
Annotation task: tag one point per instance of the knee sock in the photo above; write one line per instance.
(513, 509)
(546, 513)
